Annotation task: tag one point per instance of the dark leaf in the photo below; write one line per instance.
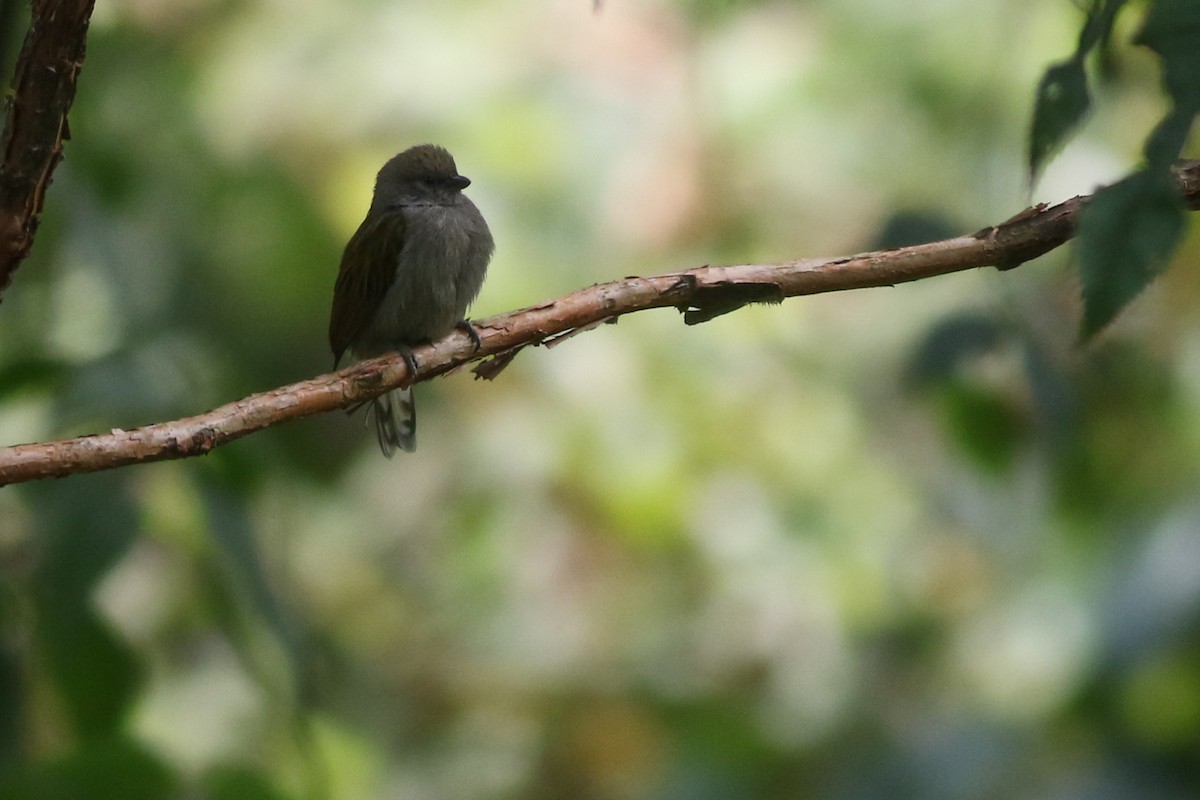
(97, 674)
(1127, 233)
(914, 226)
(1063, 98)
(258, 607)
(985, 425)
(14, 684)
(1062, 103)
(1167, 139)
(30, 373)
(1098, 28)
(101, 769)
(239, 783)
(1172, 29)
(951, 343)
(84, 527)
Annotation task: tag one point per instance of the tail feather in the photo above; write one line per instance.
(396, 421)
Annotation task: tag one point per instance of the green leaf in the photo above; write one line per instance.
(96, 673)
(1165, 142)
(1062, 103)
(952, 343)
(14, 683)
(239, 783)
(1063, 99)
(31, 374)
(1172, 29)
(101, 769)
(1126, 236)
(987, 428)
(84, 527)
(117, 768)
(1098, 27)
(279, 661)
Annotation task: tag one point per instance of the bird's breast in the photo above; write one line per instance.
(439, 272)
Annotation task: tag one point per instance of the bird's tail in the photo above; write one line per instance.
(396, 421)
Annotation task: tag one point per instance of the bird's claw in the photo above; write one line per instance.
(466, 327)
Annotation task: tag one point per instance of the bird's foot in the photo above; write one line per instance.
(466, 327)
(410, 360)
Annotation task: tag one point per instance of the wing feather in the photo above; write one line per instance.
(367, 271)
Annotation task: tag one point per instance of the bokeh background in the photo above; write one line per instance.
(915, 542)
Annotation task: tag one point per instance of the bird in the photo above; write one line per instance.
(408, 275)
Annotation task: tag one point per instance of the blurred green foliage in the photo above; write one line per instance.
(1130, 229)
(912, 542)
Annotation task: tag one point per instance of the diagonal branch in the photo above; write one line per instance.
(36, 127)
(701, 293)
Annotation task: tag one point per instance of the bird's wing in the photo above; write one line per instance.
(367, 271)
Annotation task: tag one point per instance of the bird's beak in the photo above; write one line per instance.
(460, 182)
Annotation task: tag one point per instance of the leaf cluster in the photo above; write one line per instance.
(1130, 229)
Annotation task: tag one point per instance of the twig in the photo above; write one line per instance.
(700, 293)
